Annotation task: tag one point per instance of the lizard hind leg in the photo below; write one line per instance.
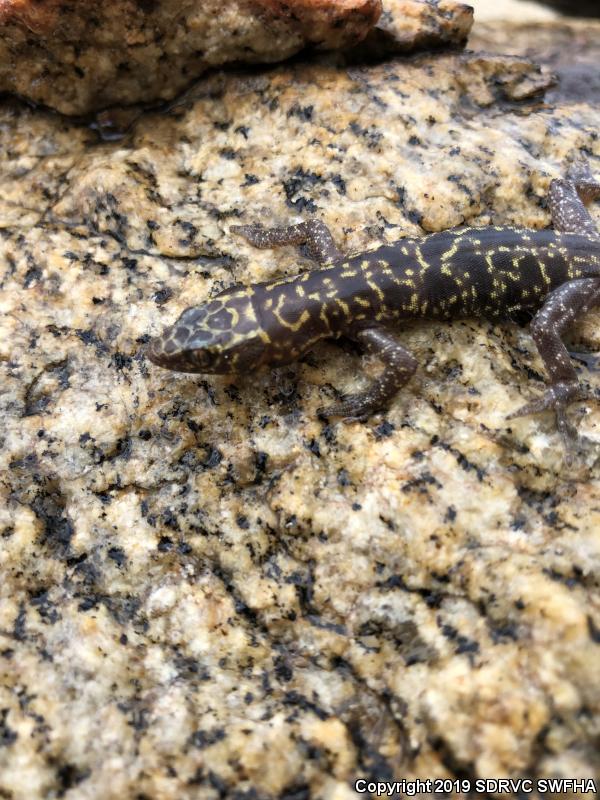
(567, 198)
(399, 366)
(562, 307)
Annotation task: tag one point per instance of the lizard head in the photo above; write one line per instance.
(221, 336)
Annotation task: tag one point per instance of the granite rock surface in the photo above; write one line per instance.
(571, 52)
(409, 25)
(208, 592)
(80, 58)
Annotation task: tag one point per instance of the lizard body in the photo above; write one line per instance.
(464, 272)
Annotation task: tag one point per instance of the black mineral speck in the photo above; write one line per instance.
(302, 112)
(450, 515)
(593, 630)
(385, 429)
(162, 296)
(314, 448)
(343, 478)
(7, 735)
(117, 555)
(213, 459)
(165, 544)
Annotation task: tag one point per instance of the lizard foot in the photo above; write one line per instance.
(352, 408)
(580, 173)
(557, 397)
(254, 234)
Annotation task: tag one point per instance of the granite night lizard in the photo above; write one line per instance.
(462, 272)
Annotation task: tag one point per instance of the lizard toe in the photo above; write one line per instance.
(557, 398)
(352, 408)
(568, 433)
(251, 233)
(559, 395)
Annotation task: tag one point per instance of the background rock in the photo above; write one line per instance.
(571, 51)
(78, 57)
(512, 10)
(407, 25)
(80, 60)
(578, 8)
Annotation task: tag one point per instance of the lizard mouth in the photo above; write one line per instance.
(164, 352)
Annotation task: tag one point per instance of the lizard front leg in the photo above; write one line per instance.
(399, 366)
(313, 233)
(561, 308)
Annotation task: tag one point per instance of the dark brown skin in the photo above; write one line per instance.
(468, 272)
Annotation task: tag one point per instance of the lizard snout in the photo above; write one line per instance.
(157, 352)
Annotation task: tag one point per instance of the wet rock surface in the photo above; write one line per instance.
(209, 592)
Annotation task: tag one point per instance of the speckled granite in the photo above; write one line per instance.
(81, 57)
(571, 51)
(408, 25)
(207, 592)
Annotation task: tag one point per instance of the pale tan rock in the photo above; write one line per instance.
(406, 25)
(207, 591)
